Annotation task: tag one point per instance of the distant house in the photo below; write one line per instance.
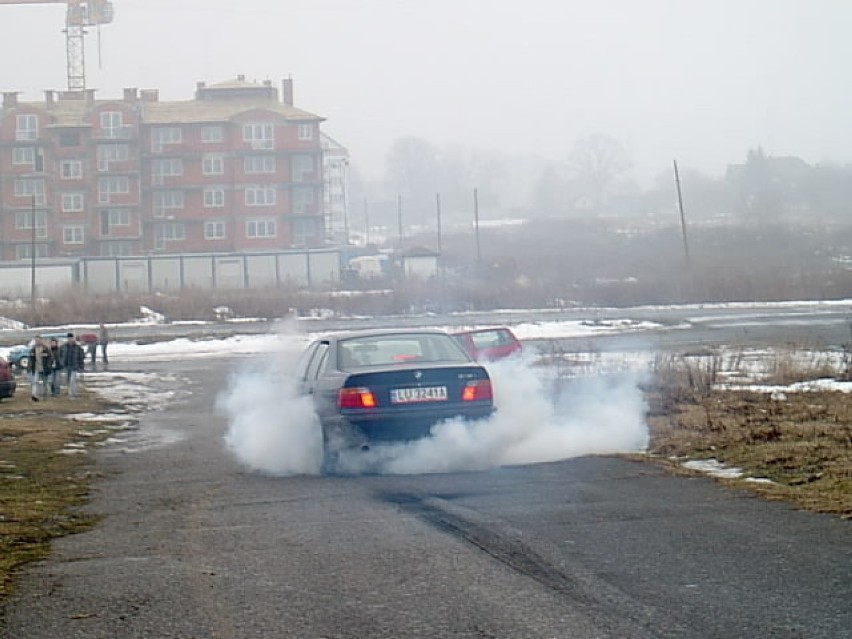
(768, 186)
(418, 262)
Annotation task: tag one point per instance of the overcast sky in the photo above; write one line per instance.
(699, 80)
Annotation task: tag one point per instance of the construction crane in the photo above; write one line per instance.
(79, 15)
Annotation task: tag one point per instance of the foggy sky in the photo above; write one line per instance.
(698, 80)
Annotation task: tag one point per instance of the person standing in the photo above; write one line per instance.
(103, 340)
(56, 369)
(72, 359)
(40, 365)
(91, 350)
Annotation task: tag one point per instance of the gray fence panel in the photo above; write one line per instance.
(325, 268)
(133, 275)
(229, 272)
(261, 270)
(99, 276)
(165, 274)
(16, 279)
(293, 269)
(198, 271)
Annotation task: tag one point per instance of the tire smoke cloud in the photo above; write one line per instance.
(273, 430)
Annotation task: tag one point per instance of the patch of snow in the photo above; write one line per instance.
(779, 392)
(7, 324)
(713, 468)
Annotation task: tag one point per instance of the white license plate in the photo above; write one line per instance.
(424, 394)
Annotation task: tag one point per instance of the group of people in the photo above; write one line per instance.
(49, 362)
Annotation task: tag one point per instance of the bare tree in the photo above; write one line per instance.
(412, 169)
(595, 161)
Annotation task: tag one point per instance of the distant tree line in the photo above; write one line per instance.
(591, 183)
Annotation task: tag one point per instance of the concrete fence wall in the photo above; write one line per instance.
(310, 269)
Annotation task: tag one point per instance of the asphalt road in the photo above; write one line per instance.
(194, 547)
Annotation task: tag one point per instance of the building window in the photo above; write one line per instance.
(163, 135)
(30, 188)
(306, 131)
(213, 164)
(110, 153)
(24, 222)
(26, 127)
(167, 201)
(261, 229)
(24, 251)
(23, 155)
(112, 125)
(116, 249)
(214, 198)
(117, 217)
(168, 167)
(212, 134)
(71, 169)
(109, 186)
(214, 230)
(302, 168)
(260, 136)
(259, 164)
(73, 234)
(304, 200)
(72, 202)
(260, 196)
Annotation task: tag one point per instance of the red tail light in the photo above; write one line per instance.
(356, 398)
(477, 390)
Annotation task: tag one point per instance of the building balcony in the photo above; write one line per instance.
(121, 133)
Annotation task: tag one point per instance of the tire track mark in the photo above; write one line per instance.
(602, 600)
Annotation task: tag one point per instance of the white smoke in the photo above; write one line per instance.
(273, 430)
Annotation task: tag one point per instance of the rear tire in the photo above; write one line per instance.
(330, 452)
(23, 363)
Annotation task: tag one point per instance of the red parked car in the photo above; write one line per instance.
(487, 344)
(7, 379)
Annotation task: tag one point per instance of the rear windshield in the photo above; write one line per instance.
(490, 339)
(384, 350)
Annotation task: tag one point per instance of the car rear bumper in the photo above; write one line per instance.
(395, 425)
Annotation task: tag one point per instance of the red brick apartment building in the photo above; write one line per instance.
(237, 169)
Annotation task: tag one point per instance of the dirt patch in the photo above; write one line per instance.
(800, 442)
(44, 474)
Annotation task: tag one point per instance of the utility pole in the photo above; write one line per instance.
(399, 217)
(682, 216)
(438, 211)
(366, 222)
(33, 258)
(476, 224)
(344, 180)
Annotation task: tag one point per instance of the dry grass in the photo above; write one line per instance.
(42, 484)
(802, 442)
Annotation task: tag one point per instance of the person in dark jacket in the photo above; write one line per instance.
(73, 360)
(56, 370)
(39, 365)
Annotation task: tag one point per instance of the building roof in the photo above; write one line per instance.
(199, 111)
(219, 102)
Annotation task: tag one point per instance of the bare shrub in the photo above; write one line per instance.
(789, 366)
(686, 377)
